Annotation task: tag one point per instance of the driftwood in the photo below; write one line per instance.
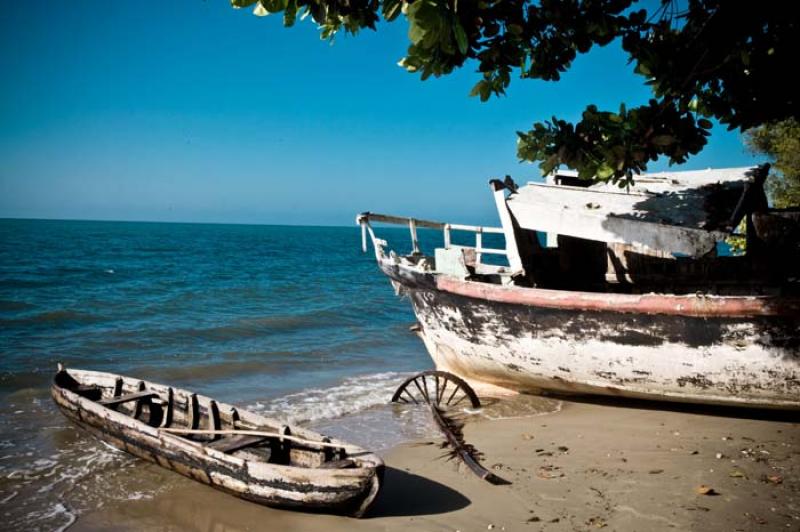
(431, 388)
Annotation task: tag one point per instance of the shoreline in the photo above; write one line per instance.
(622, 466)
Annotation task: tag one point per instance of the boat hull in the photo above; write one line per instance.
(578, 343)
(347, 491)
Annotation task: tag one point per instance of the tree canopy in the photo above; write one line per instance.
(780, 142)
(703, 59)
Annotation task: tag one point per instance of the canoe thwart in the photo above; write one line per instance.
(145, 394)
(231, 444)
(338, 464)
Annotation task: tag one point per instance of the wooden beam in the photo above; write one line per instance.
(214, 421)
(118, 386)
(512, 251)
(194, 411)
(231, 444)
(166, 420)
(145, 394)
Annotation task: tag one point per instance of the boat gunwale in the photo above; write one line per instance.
(691, 305)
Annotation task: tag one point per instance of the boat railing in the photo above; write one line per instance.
(365, 218)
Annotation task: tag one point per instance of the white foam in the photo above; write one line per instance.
(138, 496)
(57, 512)
(354, 395)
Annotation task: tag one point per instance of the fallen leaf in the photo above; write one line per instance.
(597, 522)
(548, 472)
(656, 471)
(775, 479)
(702, 489)
(736, 474)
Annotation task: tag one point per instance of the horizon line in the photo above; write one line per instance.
(16, 218)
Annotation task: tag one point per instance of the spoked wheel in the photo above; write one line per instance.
(438, 388)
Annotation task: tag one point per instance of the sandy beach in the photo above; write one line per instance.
(618, 466)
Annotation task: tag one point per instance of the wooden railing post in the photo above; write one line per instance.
(363, 236)
(412, 227)
(478, 245)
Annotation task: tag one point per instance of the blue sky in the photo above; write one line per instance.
(189, 110)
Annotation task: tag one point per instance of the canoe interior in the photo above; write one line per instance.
(164, 407)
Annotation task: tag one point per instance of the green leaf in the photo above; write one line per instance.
(391, 9)
(461, 38)
(290, 14)
(242, 3)
(705, 124)
(477, 89)
(663, 140)
(415, 32)
(604, 171)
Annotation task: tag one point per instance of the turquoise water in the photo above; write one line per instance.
(244, 311)
(292, 321)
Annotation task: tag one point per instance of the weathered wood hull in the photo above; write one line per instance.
(728, 351)
(348, 491)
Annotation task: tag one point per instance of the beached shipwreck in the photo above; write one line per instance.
(611, 291)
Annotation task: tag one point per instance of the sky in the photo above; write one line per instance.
(192, 111)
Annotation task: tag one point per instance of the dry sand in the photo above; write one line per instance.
(589, 466)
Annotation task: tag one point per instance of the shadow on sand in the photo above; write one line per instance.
(407, 494)
(185, 505)
(738, 412)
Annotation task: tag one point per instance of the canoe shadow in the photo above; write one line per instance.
(406, 494)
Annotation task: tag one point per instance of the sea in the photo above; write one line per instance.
(292, 322)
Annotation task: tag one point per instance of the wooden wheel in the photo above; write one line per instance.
(438, 388)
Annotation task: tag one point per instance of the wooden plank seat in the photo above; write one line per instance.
(338, 464)
(144, 394)
(234, 443)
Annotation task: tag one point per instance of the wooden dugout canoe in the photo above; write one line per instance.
(275, 465)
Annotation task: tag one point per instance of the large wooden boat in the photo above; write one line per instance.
(238, 452)
(615, 292)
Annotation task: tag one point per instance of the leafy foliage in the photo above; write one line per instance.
(780, 141)
(702, 58)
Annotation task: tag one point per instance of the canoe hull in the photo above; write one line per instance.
(663, 354)
(346, 491)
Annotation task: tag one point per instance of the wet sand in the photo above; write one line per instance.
(588, 466)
